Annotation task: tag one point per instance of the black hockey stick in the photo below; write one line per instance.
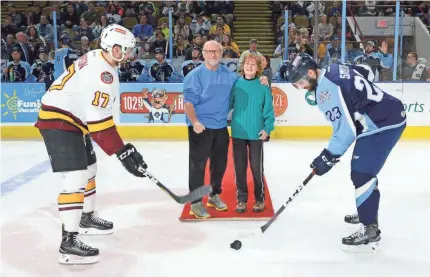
(281, 209)
(190, 197)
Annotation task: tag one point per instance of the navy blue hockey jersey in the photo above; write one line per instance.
(354, 105)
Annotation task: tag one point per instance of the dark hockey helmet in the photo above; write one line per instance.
(65, 39)
(300, 66)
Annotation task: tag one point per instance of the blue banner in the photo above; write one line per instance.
(151, 103)
(20, 102)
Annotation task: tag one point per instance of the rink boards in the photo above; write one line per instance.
(138, 115)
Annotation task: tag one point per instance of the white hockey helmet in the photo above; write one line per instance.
(115, 34)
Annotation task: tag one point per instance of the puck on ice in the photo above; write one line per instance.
(236, 245)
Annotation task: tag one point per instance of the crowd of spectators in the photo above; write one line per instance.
(302, 31)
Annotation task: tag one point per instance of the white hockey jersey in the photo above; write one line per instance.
(83, 95)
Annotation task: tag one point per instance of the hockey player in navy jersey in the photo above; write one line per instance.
(64, 57)
(359, 111)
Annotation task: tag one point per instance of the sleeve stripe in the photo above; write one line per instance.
(100, 126)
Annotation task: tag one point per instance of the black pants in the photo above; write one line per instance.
(210, 144)
(68, 151)
(240, 155)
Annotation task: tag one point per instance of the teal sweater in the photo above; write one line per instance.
(252, 109)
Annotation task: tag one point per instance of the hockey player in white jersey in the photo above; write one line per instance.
(77, 107)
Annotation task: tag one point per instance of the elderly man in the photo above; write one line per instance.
(206, 95)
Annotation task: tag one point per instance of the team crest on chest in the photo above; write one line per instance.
(106, 77)
(324, 96)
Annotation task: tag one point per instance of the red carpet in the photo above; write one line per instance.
(229, 196)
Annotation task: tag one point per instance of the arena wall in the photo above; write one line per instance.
(297, 117)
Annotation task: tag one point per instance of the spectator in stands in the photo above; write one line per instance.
(131, 9)
(148, 9)
(165, 30)
(70, 17)
(305, 47)
(83, 30)
(333, 53)
(325, 29)
(103, 23)
(197, 43)
(180, 46)
(376, 60)
(299, 8)
(26, 53)
(34, 39)
(217, 36)
(184, 8)
(181, 28)
(335, 9)
(18, 19)
(168, 5)
(267, 69)
(37, 13)
(114, 14)
(91, 16)
(8, 27)
(321, 50)
(280, 49)
(160, 42)
(85, 45)
(10, 42)
(205, 38)
(414, 70)
(354, 52)
(196, 60)
(17, 70)
(55, 10)
(228, 44)
(220, 23)
(225, 8)
(45, 29)
(368, 9)
(200, 25)
(311, 9)
(153, 38)
(143, 29)
(253, 45)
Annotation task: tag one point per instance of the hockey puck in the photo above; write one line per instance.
(236, 245)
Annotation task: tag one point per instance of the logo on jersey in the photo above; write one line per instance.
(280, 101)
(324, 96)
(310, 98)
(106, 77)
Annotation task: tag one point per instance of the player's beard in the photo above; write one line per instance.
(312, 84)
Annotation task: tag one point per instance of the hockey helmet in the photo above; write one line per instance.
(115, 34)
(65, 39)
(300, 66)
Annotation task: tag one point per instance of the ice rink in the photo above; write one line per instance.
(150, 241)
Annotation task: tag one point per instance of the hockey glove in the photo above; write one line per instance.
(324, 162)
(132, 160)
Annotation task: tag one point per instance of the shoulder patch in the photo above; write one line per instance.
(106, 77)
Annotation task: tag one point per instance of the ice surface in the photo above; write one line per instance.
(151, 241)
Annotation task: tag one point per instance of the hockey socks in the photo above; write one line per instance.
(366, 196)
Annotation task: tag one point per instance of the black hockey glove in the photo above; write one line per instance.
(132, 160)
(324, 162)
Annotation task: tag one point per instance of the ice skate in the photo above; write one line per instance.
(216, 202)
(199, 211)
(91, 224)
(74, 251)
(364, 240)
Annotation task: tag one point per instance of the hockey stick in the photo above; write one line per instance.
(190, 197)
(264, 227)
(282, 208)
